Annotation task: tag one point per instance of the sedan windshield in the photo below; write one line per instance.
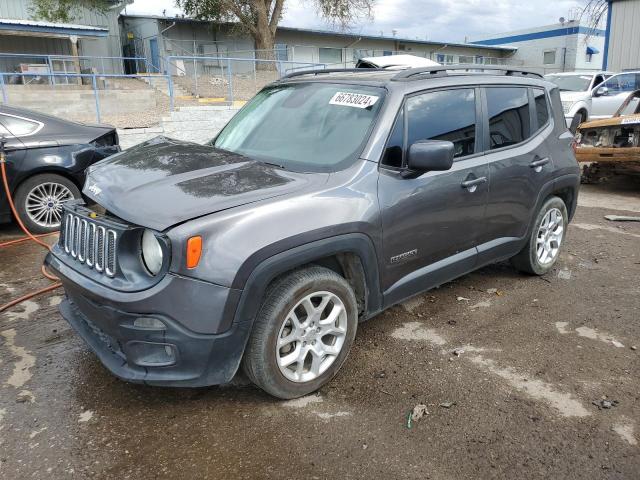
(571, 83)
(304, 126)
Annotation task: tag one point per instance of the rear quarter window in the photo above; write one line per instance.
(13, 126)
(542, 107)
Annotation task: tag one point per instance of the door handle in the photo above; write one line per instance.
(472, 185)
(538, 164)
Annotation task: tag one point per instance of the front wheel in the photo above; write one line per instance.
(303, 332)
(543, 248)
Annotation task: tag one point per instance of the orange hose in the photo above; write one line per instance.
(30, 236)
(29, 295)
(26, 239)
(13, 207)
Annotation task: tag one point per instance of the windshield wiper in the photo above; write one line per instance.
(277, 165)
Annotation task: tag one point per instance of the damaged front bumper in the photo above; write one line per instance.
(159, 349)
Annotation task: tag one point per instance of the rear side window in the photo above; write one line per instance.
(16, 126)
(508, 110)
(444, 115)
(542, 107)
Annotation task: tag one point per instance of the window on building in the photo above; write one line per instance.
(508, 110)
(393, 154)
(542, 107)
(549, 57)
(17, 127)
(330, 55)
(445, 115)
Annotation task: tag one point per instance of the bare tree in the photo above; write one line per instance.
(594, 13)
(260, 18)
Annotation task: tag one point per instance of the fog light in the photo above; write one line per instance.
(147, 354)
(149, 323)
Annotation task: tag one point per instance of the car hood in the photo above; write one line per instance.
(163, 182)
(573, 96)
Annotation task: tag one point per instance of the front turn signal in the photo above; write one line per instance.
(194, 250)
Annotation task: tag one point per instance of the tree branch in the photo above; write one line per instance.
(275, 16)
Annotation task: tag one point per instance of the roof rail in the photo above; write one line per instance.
(441, 71)
(332, 70)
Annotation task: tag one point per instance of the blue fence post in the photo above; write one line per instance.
(4, 91)
(95, 93)
(170, 87)
(230, 81)
(50, 63)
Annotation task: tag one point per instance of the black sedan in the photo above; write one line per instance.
(46, 159)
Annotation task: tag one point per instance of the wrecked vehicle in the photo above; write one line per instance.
(46, 161)
(611, 146)
(330, 197)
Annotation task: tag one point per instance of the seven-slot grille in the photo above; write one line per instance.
(89, 243)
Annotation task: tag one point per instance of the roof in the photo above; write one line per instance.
(36, 26)
(342, 34)
(399, 61)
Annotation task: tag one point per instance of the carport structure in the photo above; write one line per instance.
(30, 46)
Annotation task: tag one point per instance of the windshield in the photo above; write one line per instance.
(571, 83)
(304, 126)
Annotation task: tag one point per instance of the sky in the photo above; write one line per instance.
(440, 20)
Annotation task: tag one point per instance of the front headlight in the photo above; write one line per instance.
(566, 106)
(151, 252)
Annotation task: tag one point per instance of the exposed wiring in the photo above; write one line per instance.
(29, 236)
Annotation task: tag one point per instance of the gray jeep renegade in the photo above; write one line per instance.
(331, 196)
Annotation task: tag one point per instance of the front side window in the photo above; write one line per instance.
(508, 110)
(304, 126)
(625, 82)
(542, 107)
(444, 115)
(17, 126)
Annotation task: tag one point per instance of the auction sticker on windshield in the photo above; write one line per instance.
(358, 100)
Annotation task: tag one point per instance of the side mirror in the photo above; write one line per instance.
(601, 92)
(430, 155)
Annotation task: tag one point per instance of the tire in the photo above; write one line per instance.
(275, 321)
(578, 118)
(44, 187)
(530, 260)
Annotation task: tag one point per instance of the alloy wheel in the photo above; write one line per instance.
(550, 236)
(311, 336)
(44, 203)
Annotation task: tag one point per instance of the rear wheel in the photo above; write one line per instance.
(39, 201)
(543, 248)
(303, 332)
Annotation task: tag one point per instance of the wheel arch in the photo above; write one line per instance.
(352, 256)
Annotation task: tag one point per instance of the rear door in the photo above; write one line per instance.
(431, 222)
(618, 89)
(519, 163)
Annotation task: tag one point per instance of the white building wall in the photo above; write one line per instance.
(570, 49)
(624, 36)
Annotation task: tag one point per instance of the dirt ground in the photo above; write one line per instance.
(526, 398)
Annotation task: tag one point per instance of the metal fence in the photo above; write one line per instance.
(227, 79)
(31, 63)
(124, 100)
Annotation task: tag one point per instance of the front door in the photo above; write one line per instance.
(618, 89)
(431, 222)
